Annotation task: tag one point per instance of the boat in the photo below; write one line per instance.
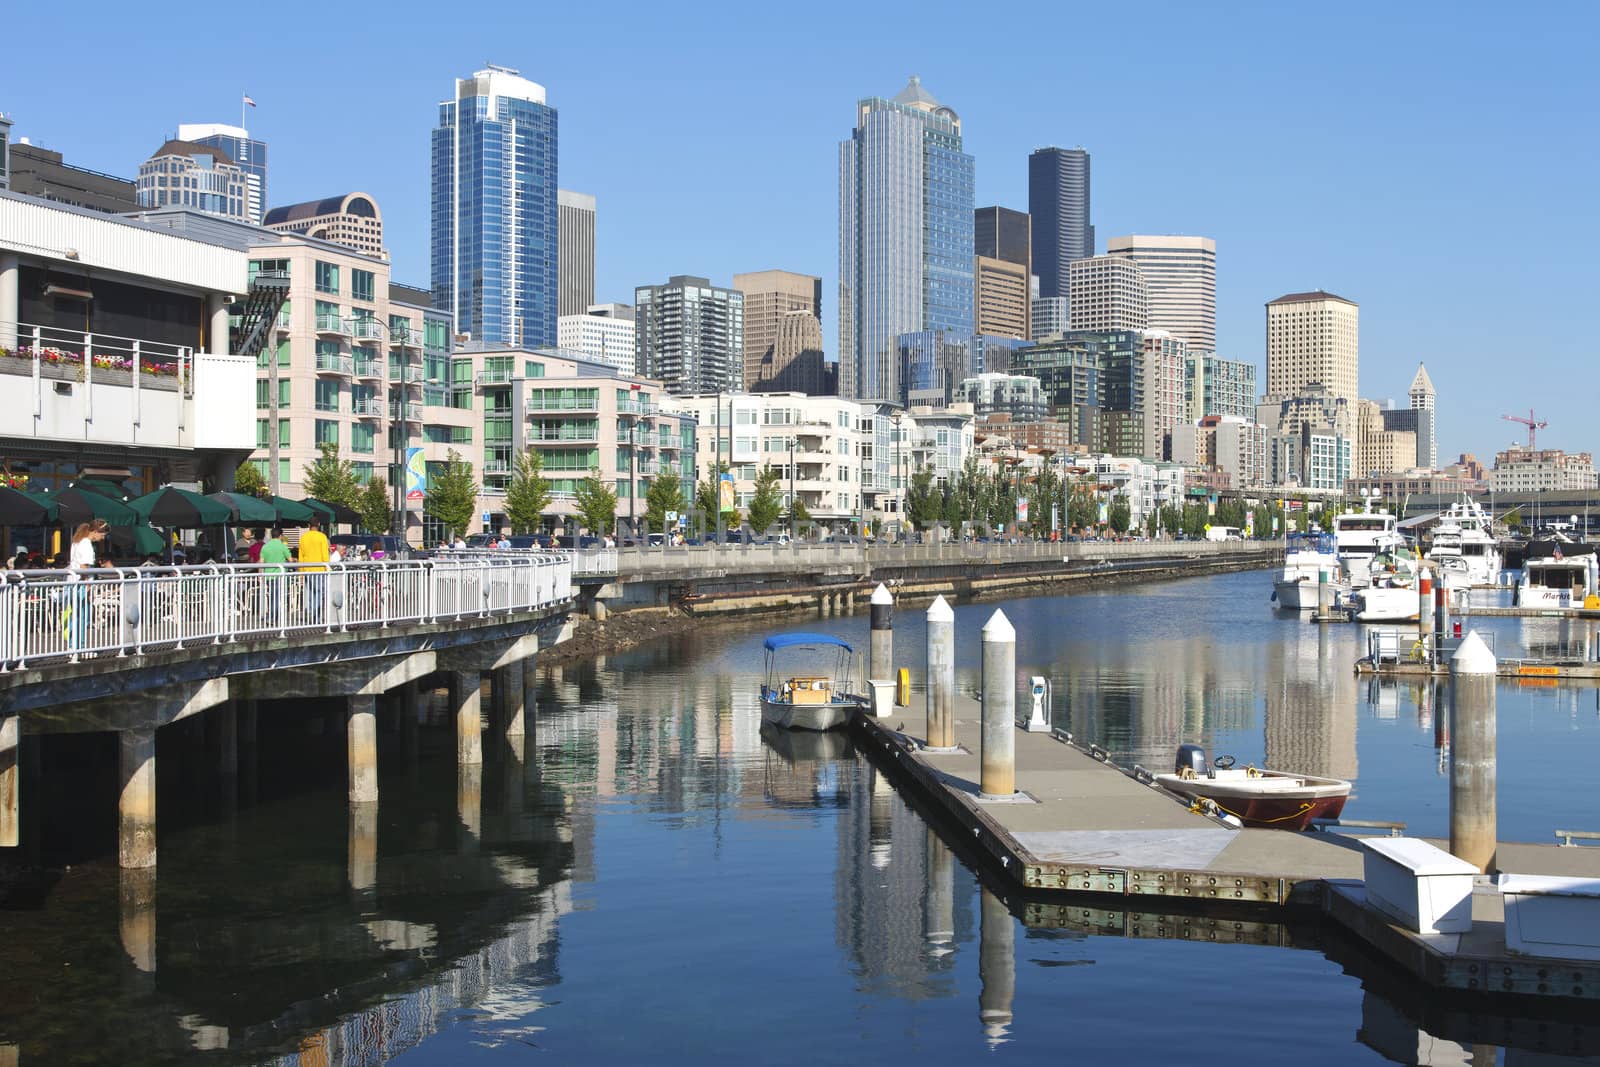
(1464, 546)
(1388, 592)
(1557, 581)
(1361, 535)
(815, 701)
(1306, 556)
(1277, 800)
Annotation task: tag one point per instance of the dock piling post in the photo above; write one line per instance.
(10, 783)
(939, 910)
(1441, 614)
(996, 967)
(467, 689)
(1473, 829)
(997, 758)
(508, 680)
(941, 676)
(1324, 594)
(361, 739)
(136, 801)
(1424, 600)
(880, 652)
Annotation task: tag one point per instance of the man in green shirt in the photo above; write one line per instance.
(274, 551)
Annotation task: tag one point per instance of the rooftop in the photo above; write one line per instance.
(1311, 297)
(189, 148)
(344, 204)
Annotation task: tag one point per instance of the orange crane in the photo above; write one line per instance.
(1533, 427)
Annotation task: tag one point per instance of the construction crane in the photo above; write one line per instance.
(1533, 426)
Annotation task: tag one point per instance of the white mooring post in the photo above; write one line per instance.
(941, 676)
(880, 652)
(1473, 829)
(997, 758)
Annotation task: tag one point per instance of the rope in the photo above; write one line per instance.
(1204, 806)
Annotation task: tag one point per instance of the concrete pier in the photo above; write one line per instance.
(225, 741)
(362, 847)
(466, 690)
(361, 739)
(10, 782)
(880, 649)
(997, 967)
(1473, 825)
(136, 799)
(997, 758)
(136, 916)
(941, 681)
(508, 684)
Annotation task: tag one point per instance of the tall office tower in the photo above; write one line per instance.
(1217, 386)
(1002, 306)
(183, 174)
(769, 297)
(1058, 204)
(352, 220)
(905, 235)
(1313, 338)
(604, 333)
(1050, 315)
(576, 253)
(1422, 400)
(689, 335)
(1001, 233)
(1180, 280)
(495, 232)
(1162, 359)
(1107, 293)
(250, 155)
(932, 364)
(795, 364)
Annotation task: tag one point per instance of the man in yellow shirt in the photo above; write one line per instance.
(314, 549)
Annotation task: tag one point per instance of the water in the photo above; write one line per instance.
(658, 883)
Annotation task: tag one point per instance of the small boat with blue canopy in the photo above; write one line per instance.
(819, 700)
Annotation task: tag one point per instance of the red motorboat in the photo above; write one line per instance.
(1256, 796)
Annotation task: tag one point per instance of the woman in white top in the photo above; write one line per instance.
(80, 560)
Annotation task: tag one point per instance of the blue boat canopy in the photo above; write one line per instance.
(777, 641)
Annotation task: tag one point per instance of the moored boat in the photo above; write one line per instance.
(1360, 537)
(1276, 800)
(1389, 593)
(1305, 558)
(1557, 581)
(814, 701)
(1464, 547)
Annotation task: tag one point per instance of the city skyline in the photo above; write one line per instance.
(1388, 236)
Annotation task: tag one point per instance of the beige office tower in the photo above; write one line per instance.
(769, 296)
(1313, 337)
(1180, 280)
(574, 252)
(1106, 293)
(1002, 298)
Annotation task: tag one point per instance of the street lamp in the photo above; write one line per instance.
(792, 497)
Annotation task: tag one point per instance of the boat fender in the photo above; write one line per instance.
(1250, 771)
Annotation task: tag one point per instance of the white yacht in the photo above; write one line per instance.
(1390, 590)
(1362, 535)
(1305, 557)
(1464, 546)
(1557, 581)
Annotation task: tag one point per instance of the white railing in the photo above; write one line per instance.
(53, 616)
(77, 355)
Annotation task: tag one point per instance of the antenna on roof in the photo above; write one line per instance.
(500, 69)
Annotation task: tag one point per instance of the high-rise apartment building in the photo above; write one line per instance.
(932, 364)
(1217, 386)
(1107, 293)
(905, 235)
(689, 334)
(1070, 374)
(1422, 397)
(1002, 306)
(1058, 205)
(1180, 280)
(200, 177)
(1050, 315)
(1162, 363)
(247, 153)
(495, 230)
(770, 297)
(1313, 338)
(604, 333)
(352, 220)
(576, 253)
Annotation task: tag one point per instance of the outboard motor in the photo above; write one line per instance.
(1192, 758)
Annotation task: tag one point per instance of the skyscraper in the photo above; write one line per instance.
(1422, 397)
(1180, 278)
(1058, 204)
(1107, 293)
(1313, 338)
(184, 174)
(905, 235)
(689, 334)
(604, 333)
(1001, 233)
(495, 230)
(576, 251)
(247, 153)
(769, 297)
(1002, 307)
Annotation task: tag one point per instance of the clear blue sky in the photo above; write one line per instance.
(1434, 162)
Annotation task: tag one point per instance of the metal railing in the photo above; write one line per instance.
(327, 361)
(329, 323)
(409, 410)
(76, 355)
(55, 616)
(367, 329)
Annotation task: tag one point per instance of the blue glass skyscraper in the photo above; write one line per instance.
(905, 236)
(495, 233)
(1058, 204)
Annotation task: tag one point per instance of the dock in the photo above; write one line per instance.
(1081, 830)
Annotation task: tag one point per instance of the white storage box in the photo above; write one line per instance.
(882, 698)
(1421, 887)
(1552, 916)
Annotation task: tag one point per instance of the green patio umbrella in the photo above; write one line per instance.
(247, 510)
(137, 541)
(80, 505)
(332, 512)
(20, 508)
(292, 512)
(179, 508)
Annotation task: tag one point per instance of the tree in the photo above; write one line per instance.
(1082, 511)
(797, 515)
(528, 493)
(597, 504)
(453, 495)
(924, 501)
(1119, 514)
(708, 499)
(247, 480)
(767, 503)
(330, 478)
(373, 505)
(665, 494)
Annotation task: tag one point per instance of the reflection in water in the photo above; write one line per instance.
(1310, 693)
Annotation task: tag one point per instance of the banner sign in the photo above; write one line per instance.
(416, 475)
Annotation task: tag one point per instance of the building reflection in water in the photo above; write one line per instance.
(1311, 694)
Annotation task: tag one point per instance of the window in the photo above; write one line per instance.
(436, 334)
(533, 369)
(267, 266)
(362, 435)
(327, 395)
(327, 277)
(362, 471)
(264, 393)
(263, 433)
(744, 417)
(327, 432)
(361, 284)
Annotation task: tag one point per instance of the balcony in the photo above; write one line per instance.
(406, 337)
(412, 375)
(366, 330)
(636, 406)
(283, 321)
(409, 410)
(493, 377)
(566, 404)
(367, 407)
(369, 368)
(332, 325)
(564, 436)
(327, 363)
(497, 465)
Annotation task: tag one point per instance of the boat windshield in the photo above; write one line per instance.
(1365, 523)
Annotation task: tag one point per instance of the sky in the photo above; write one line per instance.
(1433, 162)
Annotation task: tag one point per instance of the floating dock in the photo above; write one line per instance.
(1081, 829)
(1538, 671)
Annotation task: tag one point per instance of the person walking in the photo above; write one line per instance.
(80, 561)
(273, 554)
(314, 550)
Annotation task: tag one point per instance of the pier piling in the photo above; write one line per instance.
(1424, 600)
(996, 967)
(508, 680)
(1472, 753)
(941, 676)
(939, 909)
(466, 687)
(1324, 594)
(361, 738)
(136, 800)
(880, 652)
(997, 758)
(10, 813)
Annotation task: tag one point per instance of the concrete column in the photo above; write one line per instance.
(409, 711)
(508, 683)
(361, 856)
(136, 916)
(136, 802)
(597, 610)
(465, 688)
(824, 605)
(8, 300)
(361, 738)
(225, 738)
(880, 652)
(1473, 830)
(941, 676)
(530, 695)
(997, 759)
(997, 966)
(10, 782)
(245, 725)
(1324, 593)
(939, 909)
(469, 804)
(849, 603)
(217, 332)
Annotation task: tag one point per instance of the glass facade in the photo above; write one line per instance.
(495, 230)
(1058, 204)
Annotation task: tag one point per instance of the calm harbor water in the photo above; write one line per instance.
(659, 882)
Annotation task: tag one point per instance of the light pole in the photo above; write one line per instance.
(792, 497)
(633, 468)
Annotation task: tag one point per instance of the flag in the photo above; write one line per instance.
(249, 101)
